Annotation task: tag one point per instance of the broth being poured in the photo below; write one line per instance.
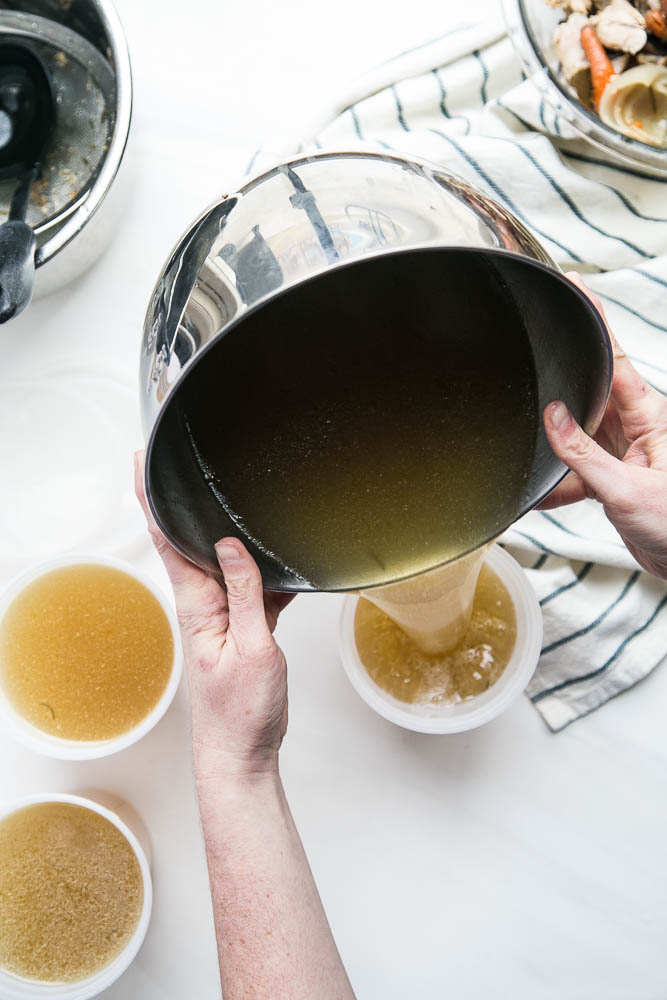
(399, 666)
(374, 439)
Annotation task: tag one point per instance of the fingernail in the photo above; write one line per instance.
(227, 552)
(559, 415)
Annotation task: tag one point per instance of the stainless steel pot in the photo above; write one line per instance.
(70, 240)
(292, 240)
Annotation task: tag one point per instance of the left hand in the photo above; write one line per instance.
(236, 671)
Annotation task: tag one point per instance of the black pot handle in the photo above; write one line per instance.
(17, 268)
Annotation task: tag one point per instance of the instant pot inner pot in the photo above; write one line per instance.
(84, 86)
(312, 349)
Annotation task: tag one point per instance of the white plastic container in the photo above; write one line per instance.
(14, 988)
(456, 718)
(64, 749)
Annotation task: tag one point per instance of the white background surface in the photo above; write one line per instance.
(506, 862)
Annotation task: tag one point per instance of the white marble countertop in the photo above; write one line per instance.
(502, 862)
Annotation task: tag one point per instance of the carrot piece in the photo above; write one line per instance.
(600, 63)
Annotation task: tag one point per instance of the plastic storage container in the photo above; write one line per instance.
(456, 718)
(14, 988)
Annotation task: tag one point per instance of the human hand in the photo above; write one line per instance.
(624, 466)
(236, 671)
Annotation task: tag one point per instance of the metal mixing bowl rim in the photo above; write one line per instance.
(634, 152)
(78, 216)
(590, 426)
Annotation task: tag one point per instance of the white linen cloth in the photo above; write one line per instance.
(463, 101)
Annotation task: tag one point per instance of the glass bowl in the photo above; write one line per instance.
(530, 25)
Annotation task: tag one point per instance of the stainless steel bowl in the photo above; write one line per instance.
(70, 241)
(298, 240)
(531, 24)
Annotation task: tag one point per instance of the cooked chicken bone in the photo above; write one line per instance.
(567, 42)
(621, 27)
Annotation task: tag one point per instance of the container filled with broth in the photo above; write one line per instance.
(90, 656)
(418, 679)
(76, 898)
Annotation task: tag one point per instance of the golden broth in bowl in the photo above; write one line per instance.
(86, 652)
(71, 892)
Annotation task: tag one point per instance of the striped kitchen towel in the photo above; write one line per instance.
(463, 101)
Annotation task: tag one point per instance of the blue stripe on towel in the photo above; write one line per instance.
(552, 519)
(619, 194)
(534, 541)
(589, 628)
(568, 531)
(651, 277)
(399, 109)
(253, 158)
(544, 124)
(628, 204)
(581, 575)
(521, 121)
(599, 670)
(644, 319)
(485, 76)
(443, 106)
(355, 122)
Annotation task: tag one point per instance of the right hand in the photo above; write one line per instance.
(236, 671)
(624, 466)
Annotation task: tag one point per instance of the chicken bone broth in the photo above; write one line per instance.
(86, 652)
(402, 669)
(71, 892)
(377, 437)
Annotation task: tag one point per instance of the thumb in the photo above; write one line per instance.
(245, 595)
(599, 471)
